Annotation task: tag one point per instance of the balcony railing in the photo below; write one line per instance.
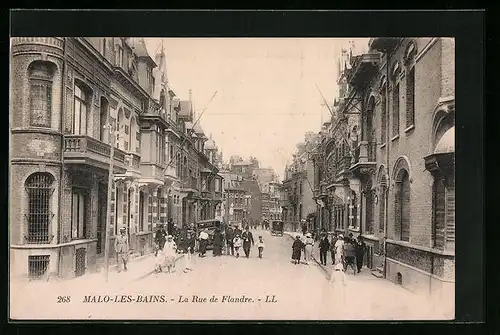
(80, 146)
(366, 152)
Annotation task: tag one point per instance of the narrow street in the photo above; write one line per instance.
(301, 292)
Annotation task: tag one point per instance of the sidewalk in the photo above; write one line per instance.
(382, 292)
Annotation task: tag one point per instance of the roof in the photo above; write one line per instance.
(446, 143)
(210, 145)
(198, 130)
(140, 49)
(186, 108)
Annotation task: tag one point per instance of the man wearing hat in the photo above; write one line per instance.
(248, 241)
(122, 248)
(229, 240)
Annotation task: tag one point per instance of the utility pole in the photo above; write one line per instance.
(108, 203)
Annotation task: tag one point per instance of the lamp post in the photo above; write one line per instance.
(110, 128)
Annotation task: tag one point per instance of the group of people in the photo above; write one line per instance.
(347, 251)
(235, 239)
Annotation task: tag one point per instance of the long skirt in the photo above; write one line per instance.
(308, 252)
(296, 254)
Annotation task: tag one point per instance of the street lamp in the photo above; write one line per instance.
(111, 130)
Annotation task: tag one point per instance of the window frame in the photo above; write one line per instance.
(81, 195)
(39, 187)
(82, 100)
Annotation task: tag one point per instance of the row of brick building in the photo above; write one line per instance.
(71, 99)
(384, 164)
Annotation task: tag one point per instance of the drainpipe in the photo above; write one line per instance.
(61, 188)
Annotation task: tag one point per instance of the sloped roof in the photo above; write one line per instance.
(140, 49)
(198, 129)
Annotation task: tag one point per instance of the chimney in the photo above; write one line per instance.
(190, 92)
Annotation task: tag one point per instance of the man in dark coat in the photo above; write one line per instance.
(360, 252)
(170, 226)
(247, 238)
(229, 239)
(160, 237)
(217, 241)
(297, 247)
(324, 246)
(190, 241)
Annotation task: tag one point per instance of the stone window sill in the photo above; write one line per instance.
(410, 128)
(395, 137)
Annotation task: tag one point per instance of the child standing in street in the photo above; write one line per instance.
(260, 245)
(237, 244)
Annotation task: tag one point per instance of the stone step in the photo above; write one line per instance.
(377, 273)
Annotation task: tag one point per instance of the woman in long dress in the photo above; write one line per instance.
(217, 243)
(308, 247)
(170, 251)
(297, 249)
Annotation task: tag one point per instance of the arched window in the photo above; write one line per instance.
(402, 205)
(133, 134)
(40, 80)
(383, 111)
(120, 127)
(81, 113)
(103, 118)
(395, 99)
(370, 110)
(184, 168)
(39, 187)
(410, 84)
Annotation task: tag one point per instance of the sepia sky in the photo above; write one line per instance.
(266, 89)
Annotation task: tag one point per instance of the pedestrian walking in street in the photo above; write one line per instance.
(339, 250)
(203, 238)
(360, 252)
(217, 241)
(160, 237)
(324, 246)
(260, 246)
(333, 241)
(170, 251)
(237, 245)
(303, 240)
(122, 248)
(159, 260)
(248, 241)
(308, 248)
(229, 240)
(297, 247)
(190, 242)
(170, 226)
(350, 255)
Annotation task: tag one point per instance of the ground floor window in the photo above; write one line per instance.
(78, 215)
(38, 266)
